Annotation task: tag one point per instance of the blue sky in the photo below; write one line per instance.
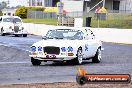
(16, 2)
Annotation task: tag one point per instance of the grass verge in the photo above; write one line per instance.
(41, 21)
(124, 22)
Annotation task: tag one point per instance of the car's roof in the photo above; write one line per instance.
(68, 29)
(72, 28)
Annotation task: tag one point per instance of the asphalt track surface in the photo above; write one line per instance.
(16, 68)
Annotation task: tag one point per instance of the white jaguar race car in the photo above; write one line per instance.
(75, 45)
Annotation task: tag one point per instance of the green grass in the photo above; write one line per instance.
(41, 21)
(124, 22)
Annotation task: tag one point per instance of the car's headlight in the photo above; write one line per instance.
(22, 28)
(39, 48)
(63, 49)
(33, 48)
(10, 27)
(70, 49)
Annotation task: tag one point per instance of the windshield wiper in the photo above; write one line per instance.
(45, 38)
(53, 38)
(58, 38)
(49, 38)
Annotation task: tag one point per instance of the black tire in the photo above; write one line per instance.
(56, 62)
(24, 35)
(35, 62)
(1, 32)
(18, 35)
(97, 57)
(79, 58)
(81, 80)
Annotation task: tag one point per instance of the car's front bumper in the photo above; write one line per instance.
(11, 31)
(57, 58)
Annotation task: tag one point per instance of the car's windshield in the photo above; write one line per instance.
(64, 34)
(13, 20)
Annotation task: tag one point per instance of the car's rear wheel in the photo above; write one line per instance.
(79, 58)
(97, 57)
(35, 62)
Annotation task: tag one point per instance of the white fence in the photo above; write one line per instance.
(41, 15)
(104, 34)
(114, 35)
(39, 29)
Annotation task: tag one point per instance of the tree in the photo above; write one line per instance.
(3, 5)
(21, 12)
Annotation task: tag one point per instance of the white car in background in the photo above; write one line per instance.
(75, 45)
(12, 25)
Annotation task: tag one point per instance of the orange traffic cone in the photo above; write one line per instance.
(81, 71)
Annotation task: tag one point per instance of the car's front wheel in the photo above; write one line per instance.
(18, 35)
(35, 62)
(79, 58)
(1, 32)
(24, 35)
(97, 57)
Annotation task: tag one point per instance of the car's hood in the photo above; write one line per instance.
(11, 24)
(7, 24)
(57, 43)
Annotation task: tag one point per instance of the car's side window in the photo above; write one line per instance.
(78, 35)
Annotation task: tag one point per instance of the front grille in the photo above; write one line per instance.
(16, 28)
(52, 50)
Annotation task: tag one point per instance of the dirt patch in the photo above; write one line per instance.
(67, 85)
